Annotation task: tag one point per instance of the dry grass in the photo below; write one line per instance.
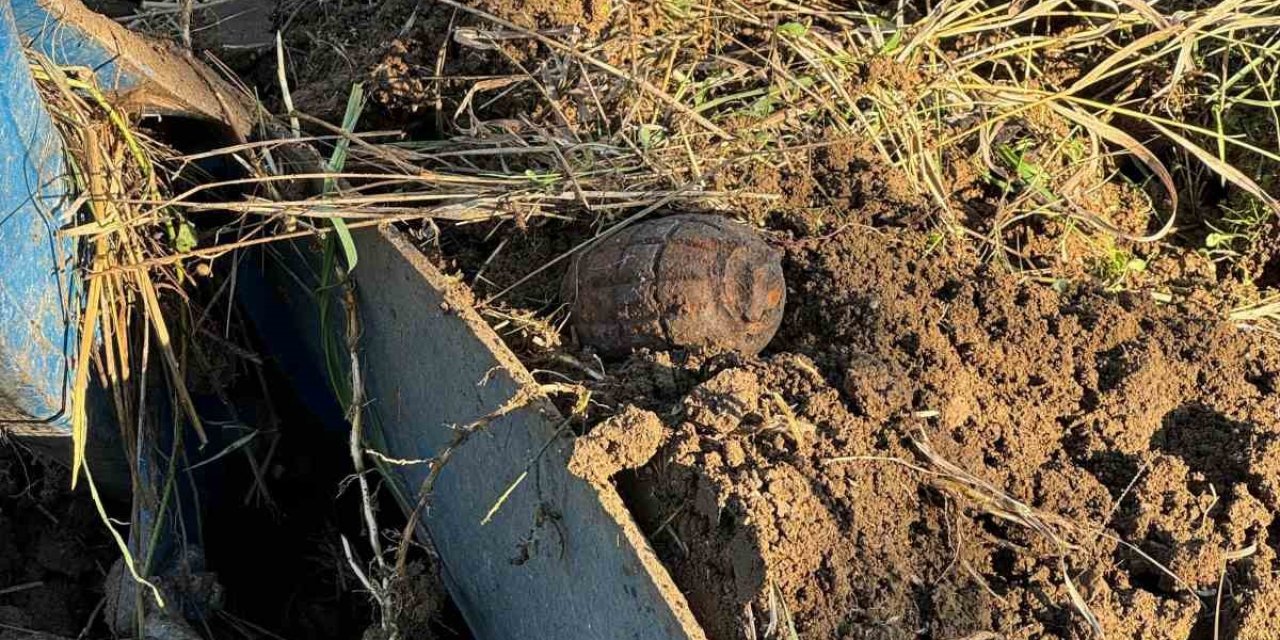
(1064, 119)
(1095, 126)
(110, 165)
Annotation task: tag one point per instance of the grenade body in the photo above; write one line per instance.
(683, 281)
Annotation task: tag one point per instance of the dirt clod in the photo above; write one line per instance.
(624, 441)
(876, 388)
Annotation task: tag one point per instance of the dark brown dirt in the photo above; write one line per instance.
(54, 553)
(1060, 400)
(416, 75)
(421, 600)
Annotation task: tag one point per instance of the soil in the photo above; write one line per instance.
(1147, 434)
(54, 553)
(625, 441)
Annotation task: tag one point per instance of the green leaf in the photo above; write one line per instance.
(348, 243)
(239, 443)
(1215, 239)
(185, 239)
(933, 241)
(892, 44)
(762, 107)
(543, 180)
(651, 135)
(793, 29)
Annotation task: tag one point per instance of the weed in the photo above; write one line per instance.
(1115, 266)
(1239, 231)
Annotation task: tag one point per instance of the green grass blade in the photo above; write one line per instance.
(355, 104)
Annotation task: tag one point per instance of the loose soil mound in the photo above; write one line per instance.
(1145, 436)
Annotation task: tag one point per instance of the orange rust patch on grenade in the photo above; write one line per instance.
(690, 280)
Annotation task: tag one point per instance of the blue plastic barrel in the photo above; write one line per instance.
(37, 286)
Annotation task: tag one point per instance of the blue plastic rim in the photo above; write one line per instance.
(67, 44)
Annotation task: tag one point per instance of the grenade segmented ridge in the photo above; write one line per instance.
(687, 281)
